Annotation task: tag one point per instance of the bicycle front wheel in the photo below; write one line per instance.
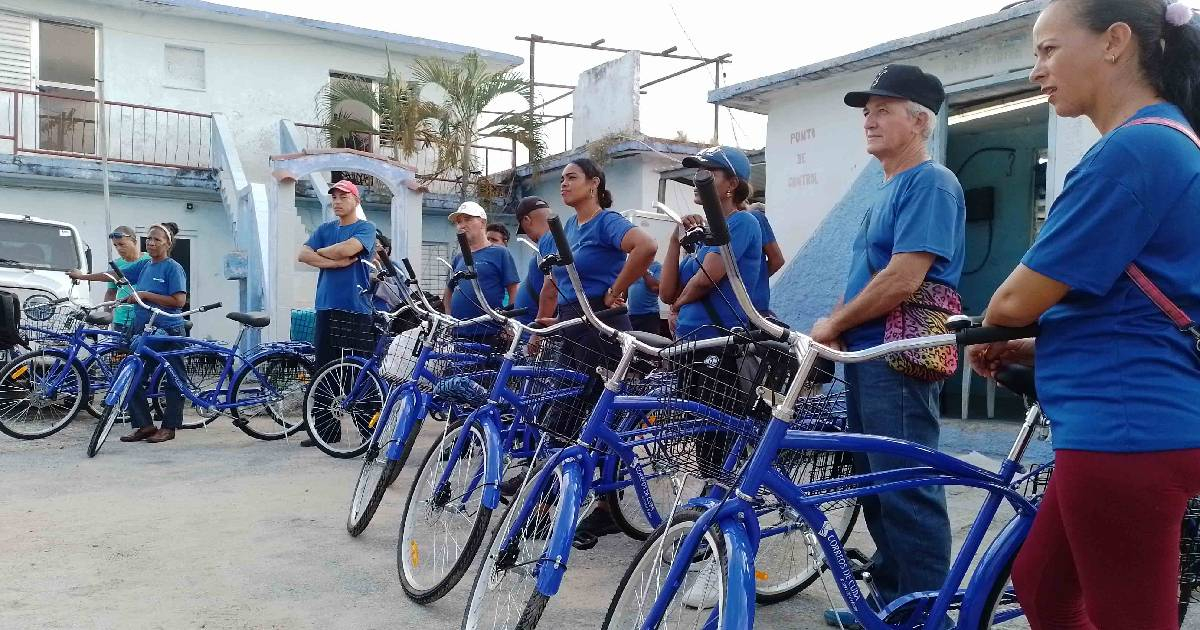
(505, 594)
(202, 371)
(341, 407)
(100, 369)
(271, 389)
(378, 472)
(694, 603)
(40, 393)
(443, 523)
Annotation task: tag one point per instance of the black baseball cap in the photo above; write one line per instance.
(900, 81)
(527, 205)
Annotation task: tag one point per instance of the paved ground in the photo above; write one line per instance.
(217, 530)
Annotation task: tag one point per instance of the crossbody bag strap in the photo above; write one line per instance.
(1169, 308)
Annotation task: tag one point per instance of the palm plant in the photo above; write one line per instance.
(469, 88)
(407, 124)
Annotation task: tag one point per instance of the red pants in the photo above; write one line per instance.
(1103, 553)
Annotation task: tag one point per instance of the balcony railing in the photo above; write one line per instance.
(489, 159)
(55, 124)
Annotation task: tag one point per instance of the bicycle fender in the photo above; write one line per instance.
(488, 418)
(409, 422)
(993, 562)
(573, 490)
(738, 610)
(127, 373)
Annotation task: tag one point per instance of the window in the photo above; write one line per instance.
(66, 82)
(433, 273)
(184, 67)
(38, 245)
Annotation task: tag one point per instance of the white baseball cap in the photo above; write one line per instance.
(469, 208)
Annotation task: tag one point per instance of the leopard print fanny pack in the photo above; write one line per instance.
(922, 315)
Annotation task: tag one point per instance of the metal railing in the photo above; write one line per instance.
(55, 124)
(491, 159)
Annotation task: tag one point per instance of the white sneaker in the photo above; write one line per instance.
(705, 592)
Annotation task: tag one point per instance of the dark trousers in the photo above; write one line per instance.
(583, 350)
(648, 322)
(139, 405)
(911, 528)
(335, 333)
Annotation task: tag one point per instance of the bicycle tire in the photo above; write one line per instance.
(99, 377)
(424, 494)
(200, 384)
(538, 530)
(624, 505)
(998, 594)
(1189, 558)
(367, 405)
(288, 375)
(104, 426)
(17, 385)
(648, 571)
(359, 518)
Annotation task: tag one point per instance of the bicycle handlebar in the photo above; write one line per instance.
(565, 255)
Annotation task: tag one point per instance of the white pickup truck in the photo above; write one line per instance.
(34, 253)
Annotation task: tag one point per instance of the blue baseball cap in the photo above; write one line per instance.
(723, 158)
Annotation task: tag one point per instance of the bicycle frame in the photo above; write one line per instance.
(937, 468)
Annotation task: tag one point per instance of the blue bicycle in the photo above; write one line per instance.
(416, 361)
(711, 546)
(261, 389)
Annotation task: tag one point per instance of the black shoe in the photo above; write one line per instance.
(599, 523)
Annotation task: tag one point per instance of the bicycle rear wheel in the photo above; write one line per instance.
(28, 410)
(1189, 558)
(695, 602)
(201, 370)
(276, 384)
(339, 420)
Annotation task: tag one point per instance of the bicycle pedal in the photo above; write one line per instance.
(860, 564)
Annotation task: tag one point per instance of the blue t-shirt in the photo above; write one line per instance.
(496, 271)
(762, 297)
(598, 254)
(746, 238)
(342, 289)
(164, 278)
(1113, 373)
(641, 301)
(530, 290)
(919, 210)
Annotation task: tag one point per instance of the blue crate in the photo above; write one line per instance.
(304, 323)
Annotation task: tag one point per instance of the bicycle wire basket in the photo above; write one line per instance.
(569, 372)
(736, 380)
(463, 363)
(1032, 485)
(50, 325)
(352, 333)
(1189, 552)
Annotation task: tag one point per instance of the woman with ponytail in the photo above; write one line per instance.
(610, 255)
(1117, 377)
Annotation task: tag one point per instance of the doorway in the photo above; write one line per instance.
(998, 151)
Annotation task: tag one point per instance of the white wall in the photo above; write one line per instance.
(607, 100)
(254, 76)
(815, 146)
(205, 225)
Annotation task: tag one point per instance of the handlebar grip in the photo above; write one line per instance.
(516, 312)
(209, 307)
(565, 257)
(412, 273)
(116, 270)
(992, 334)
(694, 236)
(388, 266)
(465, 249)
(717, 226)
(615, 311)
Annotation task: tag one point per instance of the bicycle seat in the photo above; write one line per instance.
(253, 320)
(1018, 379)
(650, 339)
(99, 318)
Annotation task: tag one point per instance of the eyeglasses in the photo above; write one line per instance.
(116, 236)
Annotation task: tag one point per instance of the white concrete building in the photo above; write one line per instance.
(198, 97)
(1010, 151)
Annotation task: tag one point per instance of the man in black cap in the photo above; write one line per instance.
(912, 232)
(533, 215)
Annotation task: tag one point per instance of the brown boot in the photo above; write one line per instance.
(162, 435)
(139, 434)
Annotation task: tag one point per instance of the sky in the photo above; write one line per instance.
(763, 36)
